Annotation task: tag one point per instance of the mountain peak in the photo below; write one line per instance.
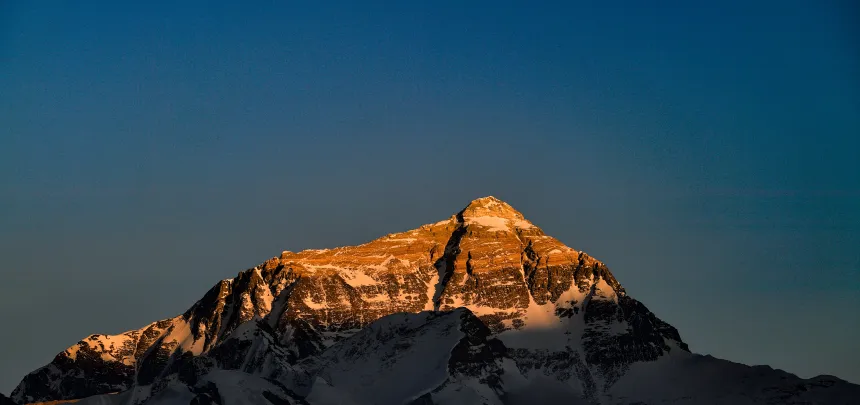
(493, 213)
(491, 207)
(486, 287)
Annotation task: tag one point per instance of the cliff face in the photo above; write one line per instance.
(552, 311)
(5, 401)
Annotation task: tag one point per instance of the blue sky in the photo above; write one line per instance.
(708, 153)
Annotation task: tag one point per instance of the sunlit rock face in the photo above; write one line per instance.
(536, 311)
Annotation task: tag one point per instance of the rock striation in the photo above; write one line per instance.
(505, 308)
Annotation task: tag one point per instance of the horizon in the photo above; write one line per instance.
(707, 154)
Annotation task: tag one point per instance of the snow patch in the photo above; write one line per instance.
(358, 278)
(494, 223)
(523, 224)
(431, 291)
(314, 305)
(353, 277)
(543, 329)
(392, 359)
(324, 394)
(443, 222)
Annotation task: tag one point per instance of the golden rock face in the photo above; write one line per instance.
(490, 290)
(487, 258)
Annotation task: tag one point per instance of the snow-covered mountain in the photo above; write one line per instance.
(481, 308)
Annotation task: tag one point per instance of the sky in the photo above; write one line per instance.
(707, 152)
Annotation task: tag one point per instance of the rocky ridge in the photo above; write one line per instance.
(535, 310)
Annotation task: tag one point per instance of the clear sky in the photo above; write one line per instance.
(709, 153)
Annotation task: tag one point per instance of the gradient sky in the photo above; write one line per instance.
(708, 153)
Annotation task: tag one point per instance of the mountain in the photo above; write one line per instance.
(6, 401)
(482, 308)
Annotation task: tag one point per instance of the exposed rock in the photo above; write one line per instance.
(4, 400)
(538, 312)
